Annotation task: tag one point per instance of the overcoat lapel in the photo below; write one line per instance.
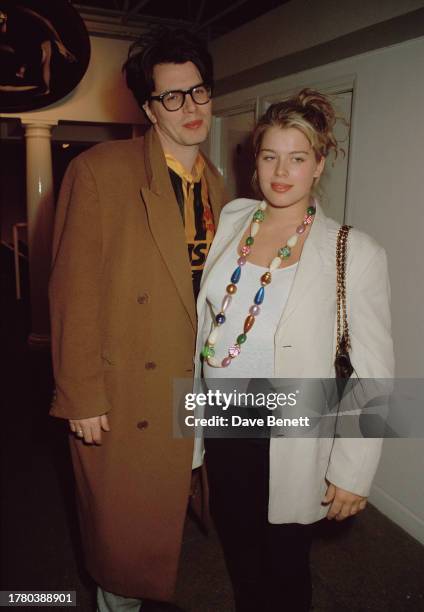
(165, 221)
(215, 190)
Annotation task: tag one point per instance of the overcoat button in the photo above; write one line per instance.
(143, 424)
(150, 365)
(143, 298)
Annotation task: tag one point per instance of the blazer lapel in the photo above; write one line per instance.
(310, 265)
(165, 221)
(228, 236)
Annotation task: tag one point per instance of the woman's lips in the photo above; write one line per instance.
(280, 187)
(193, 125)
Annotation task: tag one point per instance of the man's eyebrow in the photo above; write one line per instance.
(181, 90)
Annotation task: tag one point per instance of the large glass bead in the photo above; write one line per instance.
(241, 260)
(308, 219)
(231, 289)
(259, 297)
(226, 362)
(310, 210)
(213, 362)
(254, 310)
(226, 302)
(285, 252)
(220, 318)
(245, 250)
(292, 241)
(248, 324)
(266, 278)
(208, 351)
(254, 229)
(241, 339)
(300, 229)
(250, 240)
(275, 264)
(259, 215)
(263, 205)
(235, 277)
(234, 351)
(213, 336)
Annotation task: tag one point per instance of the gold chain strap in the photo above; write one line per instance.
(342, 326)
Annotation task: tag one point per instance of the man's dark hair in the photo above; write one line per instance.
(164, 46)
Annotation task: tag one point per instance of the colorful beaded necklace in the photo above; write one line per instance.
(284, 252)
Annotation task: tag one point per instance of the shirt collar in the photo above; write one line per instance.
(190, 177)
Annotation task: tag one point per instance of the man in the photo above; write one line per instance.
(134, 223)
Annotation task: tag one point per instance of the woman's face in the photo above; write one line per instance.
(286, 167)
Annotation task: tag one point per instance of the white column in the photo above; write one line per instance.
(40, 217)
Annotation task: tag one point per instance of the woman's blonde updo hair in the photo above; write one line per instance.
(310, 112)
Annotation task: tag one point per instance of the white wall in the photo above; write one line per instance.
(298, 25)
(101, 96)
(385, 199)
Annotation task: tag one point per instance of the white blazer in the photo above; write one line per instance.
(305, 343)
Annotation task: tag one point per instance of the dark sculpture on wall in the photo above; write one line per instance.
(44, 52)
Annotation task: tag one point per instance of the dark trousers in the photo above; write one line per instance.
(268, 564)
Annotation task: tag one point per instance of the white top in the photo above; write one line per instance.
(256, 359)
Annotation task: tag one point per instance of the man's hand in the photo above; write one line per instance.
(343, 503)
(90, 430)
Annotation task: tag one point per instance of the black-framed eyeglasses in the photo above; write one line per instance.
(174, 100)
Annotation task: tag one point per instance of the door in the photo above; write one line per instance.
(233, 150)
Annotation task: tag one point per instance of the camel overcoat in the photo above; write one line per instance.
(123, 327)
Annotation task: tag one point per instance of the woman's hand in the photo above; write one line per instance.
(343, 503)
(90, 430)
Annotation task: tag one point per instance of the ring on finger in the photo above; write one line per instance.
(80, 433)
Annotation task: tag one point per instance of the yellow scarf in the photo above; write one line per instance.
(188, 180)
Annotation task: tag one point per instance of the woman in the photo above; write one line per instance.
(267, 308)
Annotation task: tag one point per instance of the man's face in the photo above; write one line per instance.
(188, 126)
